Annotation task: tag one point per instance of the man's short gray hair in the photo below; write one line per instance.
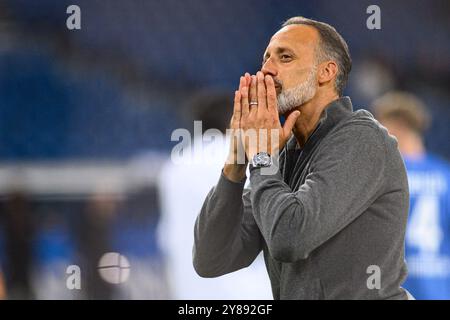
(331, 47)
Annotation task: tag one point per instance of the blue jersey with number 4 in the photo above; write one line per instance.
(428, 231)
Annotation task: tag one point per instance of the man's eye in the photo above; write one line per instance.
(285, 57)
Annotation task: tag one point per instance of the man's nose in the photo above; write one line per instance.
(269, 68)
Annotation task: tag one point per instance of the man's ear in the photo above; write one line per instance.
(327, 72)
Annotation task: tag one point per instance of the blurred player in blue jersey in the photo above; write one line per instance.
(428, 231)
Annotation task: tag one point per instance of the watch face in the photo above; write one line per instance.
(262, 159)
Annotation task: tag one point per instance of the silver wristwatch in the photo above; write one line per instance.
(262, 160)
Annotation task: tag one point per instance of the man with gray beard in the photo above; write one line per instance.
(290, 98)
(328, 197)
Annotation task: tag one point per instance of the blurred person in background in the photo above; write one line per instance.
(428, 230)
(182, 188)
(19, 236)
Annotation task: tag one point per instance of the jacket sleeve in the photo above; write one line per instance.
(344, 179)
(226, 237)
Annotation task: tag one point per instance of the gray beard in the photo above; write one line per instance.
(297, 96)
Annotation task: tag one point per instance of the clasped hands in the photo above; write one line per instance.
(255, 123)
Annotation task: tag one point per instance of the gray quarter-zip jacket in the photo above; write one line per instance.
(331, 220)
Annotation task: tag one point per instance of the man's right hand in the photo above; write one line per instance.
(236, 163)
